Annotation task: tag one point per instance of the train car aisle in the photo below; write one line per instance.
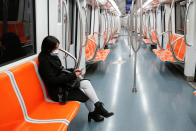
(164, 101)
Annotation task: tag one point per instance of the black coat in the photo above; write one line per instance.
(51, 71)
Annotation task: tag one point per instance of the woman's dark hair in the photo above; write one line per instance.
(48, 44)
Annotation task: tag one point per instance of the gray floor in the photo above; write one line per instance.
(164, 102)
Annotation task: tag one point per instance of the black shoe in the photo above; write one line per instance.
(99, 109)
(95, 117)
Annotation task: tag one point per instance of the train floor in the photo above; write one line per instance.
(164, 101)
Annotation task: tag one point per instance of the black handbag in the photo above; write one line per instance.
(73, 84)
(62, 95)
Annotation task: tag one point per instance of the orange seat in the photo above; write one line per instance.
(178, 46)
(194, 93)
(32, 93)
(112, 41)
(154, 39)
(90, 50)
(105, 39)
(11, 114)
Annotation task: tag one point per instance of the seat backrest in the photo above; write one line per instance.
(90, 47)
(179, 46)
(182, 52)
(153, 36)
(29, 85)
(172, 38)
(36, 61)
(10, 112)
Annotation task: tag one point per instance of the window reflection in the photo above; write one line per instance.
(180, 9)
(16, 30)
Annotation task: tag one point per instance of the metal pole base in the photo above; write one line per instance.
(134, 90)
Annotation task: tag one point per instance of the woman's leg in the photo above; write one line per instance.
(94, 106)
(88, 89)
(90, 106)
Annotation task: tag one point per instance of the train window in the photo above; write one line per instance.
(17, 30)
(180, 9)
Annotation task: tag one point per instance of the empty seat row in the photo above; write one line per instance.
(152, 40)
(179, 47)
(93, 54)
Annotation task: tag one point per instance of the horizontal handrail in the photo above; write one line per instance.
(69, 54)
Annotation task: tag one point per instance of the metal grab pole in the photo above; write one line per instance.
(134, 89)
(138, 39)
(81, 31)
(75, 60)
(68, 54)
(68, 27)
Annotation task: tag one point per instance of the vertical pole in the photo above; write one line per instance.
(138, 40)
(134, 89)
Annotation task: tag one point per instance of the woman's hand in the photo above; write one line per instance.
(78, 72)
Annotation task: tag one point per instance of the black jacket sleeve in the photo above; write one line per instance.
(49, 75)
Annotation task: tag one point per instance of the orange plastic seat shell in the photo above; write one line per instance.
(153, 36)
(179, 50)
(102, 55)
(112, 41)
(194, 93)
(31, 91)
(26, 126)
(90, 51)
(11, 117)
(147, 41)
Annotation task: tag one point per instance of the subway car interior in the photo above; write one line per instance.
(139, 55)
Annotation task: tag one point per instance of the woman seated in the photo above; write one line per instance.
(65, 84)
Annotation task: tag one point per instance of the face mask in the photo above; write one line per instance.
(55, 52)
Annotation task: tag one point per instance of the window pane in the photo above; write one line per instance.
(180, 9)
(17, 30)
